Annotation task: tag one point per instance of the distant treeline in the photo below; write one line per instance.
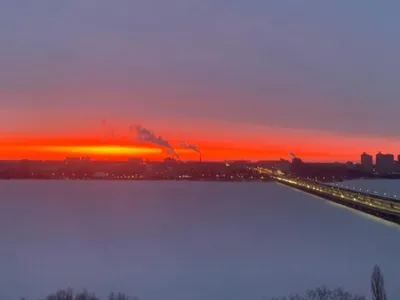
(322, 293)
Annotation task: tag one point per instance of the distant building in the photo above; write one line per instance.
(367, 162)
(77, 159)
(398, 158)
(297, 166)
(266, 162)
(239, 163)
(296, 160)
(170, 160)
(72, 159)
(135, 160)
(283, 165)
(384, 163)
(100, 175)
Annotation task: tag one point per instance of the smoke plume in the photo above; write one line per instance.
(145, 135)
(293, 155)
(190, 146)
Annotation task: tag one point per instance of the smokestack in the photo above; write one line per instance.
(191, 147)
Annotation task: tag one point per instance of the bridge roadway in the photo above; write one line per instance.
(382, 207)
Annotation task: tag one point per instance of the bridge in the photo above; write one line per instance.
(382, 207)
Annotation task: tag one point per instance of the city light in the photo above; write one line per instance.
(346, 194)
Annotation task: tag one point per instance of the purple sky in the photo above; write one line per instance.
(297, 64)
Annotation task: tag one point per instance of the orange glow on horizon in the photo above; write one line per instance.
(272, 146)
(54, 149)
(102, 150)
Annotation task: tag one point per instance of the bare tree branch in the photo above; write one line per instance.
(378, 284)
(323, 293)
(120, 296)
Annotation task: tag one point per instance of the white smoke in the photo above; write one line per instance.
(190, 146)
(145, 135)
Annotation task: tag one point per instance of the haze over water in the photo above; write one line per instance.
(185, 240)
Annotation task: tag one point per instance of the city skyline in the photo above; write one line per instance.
(254, 80)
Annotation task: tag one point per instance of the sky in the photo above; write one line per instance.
(241, 79)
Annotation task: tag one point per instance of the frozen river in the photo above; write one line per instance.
(185, 240)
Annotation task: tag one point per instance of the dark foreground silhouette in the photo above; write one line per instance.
(321, 293)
